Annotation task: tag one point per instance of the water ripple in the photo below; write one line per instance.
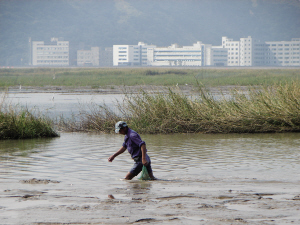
(77, 156)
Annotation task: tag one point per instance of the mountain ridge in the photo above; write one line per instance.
(105, 23)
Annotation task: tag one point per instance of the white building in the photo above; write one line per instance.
(239, 52)
(216, 56)
(233, 48)
(106, 57)
(55, 53)
(198, 54)
(277, 53)
(88, 57)
(177, 56)
(249, 52)
(130, 55)
(245, 52)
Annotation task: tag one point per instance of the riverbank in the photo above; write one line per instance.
(183, 108)
(21, 123)
(238, 110)
(213, 201)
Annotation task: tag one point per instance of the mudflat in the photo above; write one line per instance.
(178, 201)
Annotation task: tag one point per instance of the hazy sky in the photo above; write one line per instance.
(103, 23)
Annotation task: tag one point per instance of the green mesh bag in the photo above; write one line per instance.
(144, 174)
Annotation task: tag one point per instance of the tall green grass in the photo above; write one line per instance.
(102, 77)
(273, 108)
(18, 123)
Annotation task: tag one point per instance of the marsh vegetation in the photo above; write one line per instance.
(104, 77)
(269, 101)
(21, 123)
(260, 109)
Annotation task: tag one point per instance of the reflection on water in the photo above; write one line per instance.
(264, 156)
(10, 148)
(78, 158)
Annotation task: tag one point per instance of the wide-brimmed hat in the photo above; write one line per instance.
(120, 125)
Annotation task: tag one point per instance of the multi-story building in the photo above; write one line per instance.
(277, 53)
(233, 48)
(177, 56)
(245, 52)
(54, 53)
(130, 55)
(249, 52)
(106, 57)
(88, 57)
(216, 56)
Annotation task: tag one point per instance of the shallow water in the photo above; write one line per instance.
(56, 104)
(61, 104)
(200, 174)
(75, 157)
(198, 164)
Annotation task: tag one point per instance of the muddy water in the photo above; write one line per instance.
(203, 179)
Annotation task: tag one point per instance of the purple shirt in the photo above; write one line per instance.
(133, 143)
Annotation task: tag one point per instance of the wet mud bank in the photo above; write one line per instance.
(186, 201)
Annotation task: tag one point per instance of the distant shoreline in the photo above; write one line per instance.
(115, 79)
(152, 67)
(114, 89)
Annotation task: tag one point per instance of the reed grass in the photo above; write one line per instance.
(97, 118)
(22, 124)
(261, 109)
